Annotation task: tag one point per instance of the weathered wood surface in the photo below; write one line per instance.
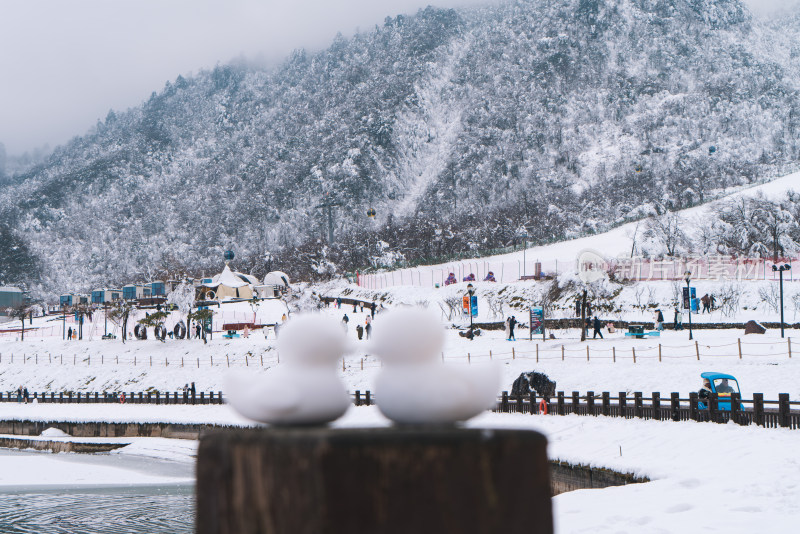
(390, 480)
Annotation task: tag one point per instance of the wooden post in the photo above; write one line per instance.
(560, 402)
(562, 353)
(587, 353)
(659, 353)
(623, 404)
(590, 403)
(633, 349)
(740, 347)
(735, 408)
(368, 398)
(512, 354)
(783, 410)
(537, 353)
(469, 358)
(637, 404)
(789, 344)
(301, 480)
(758, 409)
(504, 403)
(614, 354)
(697, 350)
(675, 406)
(198, 362)
(228, 361)
(606, 396)
(362, 364)
(713, 407)
(343, 364)
(532, 402)
(656, 404)
(151, 360)
(576, 402)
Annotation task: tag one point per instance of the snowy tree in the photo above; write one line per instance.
(183, 297)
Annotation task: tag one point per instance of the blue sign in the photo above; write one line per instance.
(474, 305)
(537, 320)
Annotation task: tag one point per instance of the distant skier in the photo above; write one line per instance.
(511, 324)
(598, 326)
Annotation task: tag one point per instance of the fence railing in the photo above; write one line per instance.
(96, 397)
(766, 413)
(540, 352)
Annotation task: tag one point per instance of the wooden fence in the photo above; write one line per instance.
(87, 397)
(766, 413)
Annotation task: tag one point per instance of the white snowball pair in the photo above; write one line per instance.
(413, 387)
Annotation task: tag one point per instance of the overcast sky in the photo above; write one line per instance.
(65, 63)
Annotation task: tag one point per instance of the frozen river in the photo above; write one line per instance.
(108, 494)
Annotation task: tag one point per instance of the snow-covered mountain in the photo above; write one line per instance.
(459, 127)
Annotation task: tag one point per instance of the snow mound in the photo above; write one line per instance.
(54, 433)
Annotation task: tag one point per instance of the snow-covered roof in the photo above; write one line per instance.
(227, 278)
(250, 279)
(276, 278)
(9, 289)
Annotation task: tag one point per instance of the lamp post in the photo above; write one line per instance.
(471, 292)
(524, 237)
(780, 269)
(688, 275)
(64, 321)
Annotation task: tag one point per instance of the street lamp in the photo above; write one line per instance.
(471, 292)
(524, 237)
(688, 278)
(780, 269)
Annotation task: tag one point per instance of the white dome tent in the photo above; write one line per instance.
(276, 283)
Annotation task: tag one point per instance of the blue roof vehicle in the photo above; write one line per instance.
(721, 384)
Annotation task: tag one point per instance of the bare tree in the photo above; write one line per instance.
(667, 231)
(771, 296)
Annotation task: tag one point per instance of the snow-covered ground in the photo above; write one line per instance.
(704, 477)
(47, 364)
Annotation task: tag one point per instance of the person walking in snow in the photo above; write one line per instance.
(69, 334)
(339, 303)
(359, 331)
(706, 300)
(598, 326)
(659, 320)
(355, 306)
(507, 329)
(678, 319)
(511, 324)
(372, 310)
(368, 326)
(345, 320)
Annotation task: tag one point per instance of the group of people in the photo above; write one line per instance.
(72, 334)
(360, 330)
(22, 394)
(709, 303)
(372, 307)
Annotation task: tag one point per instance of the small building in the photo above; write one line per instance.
(276, 284)
(135, 292)
(67, 300)
(226, 285)
(105, 296)
(10, 297)
(158, 288)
